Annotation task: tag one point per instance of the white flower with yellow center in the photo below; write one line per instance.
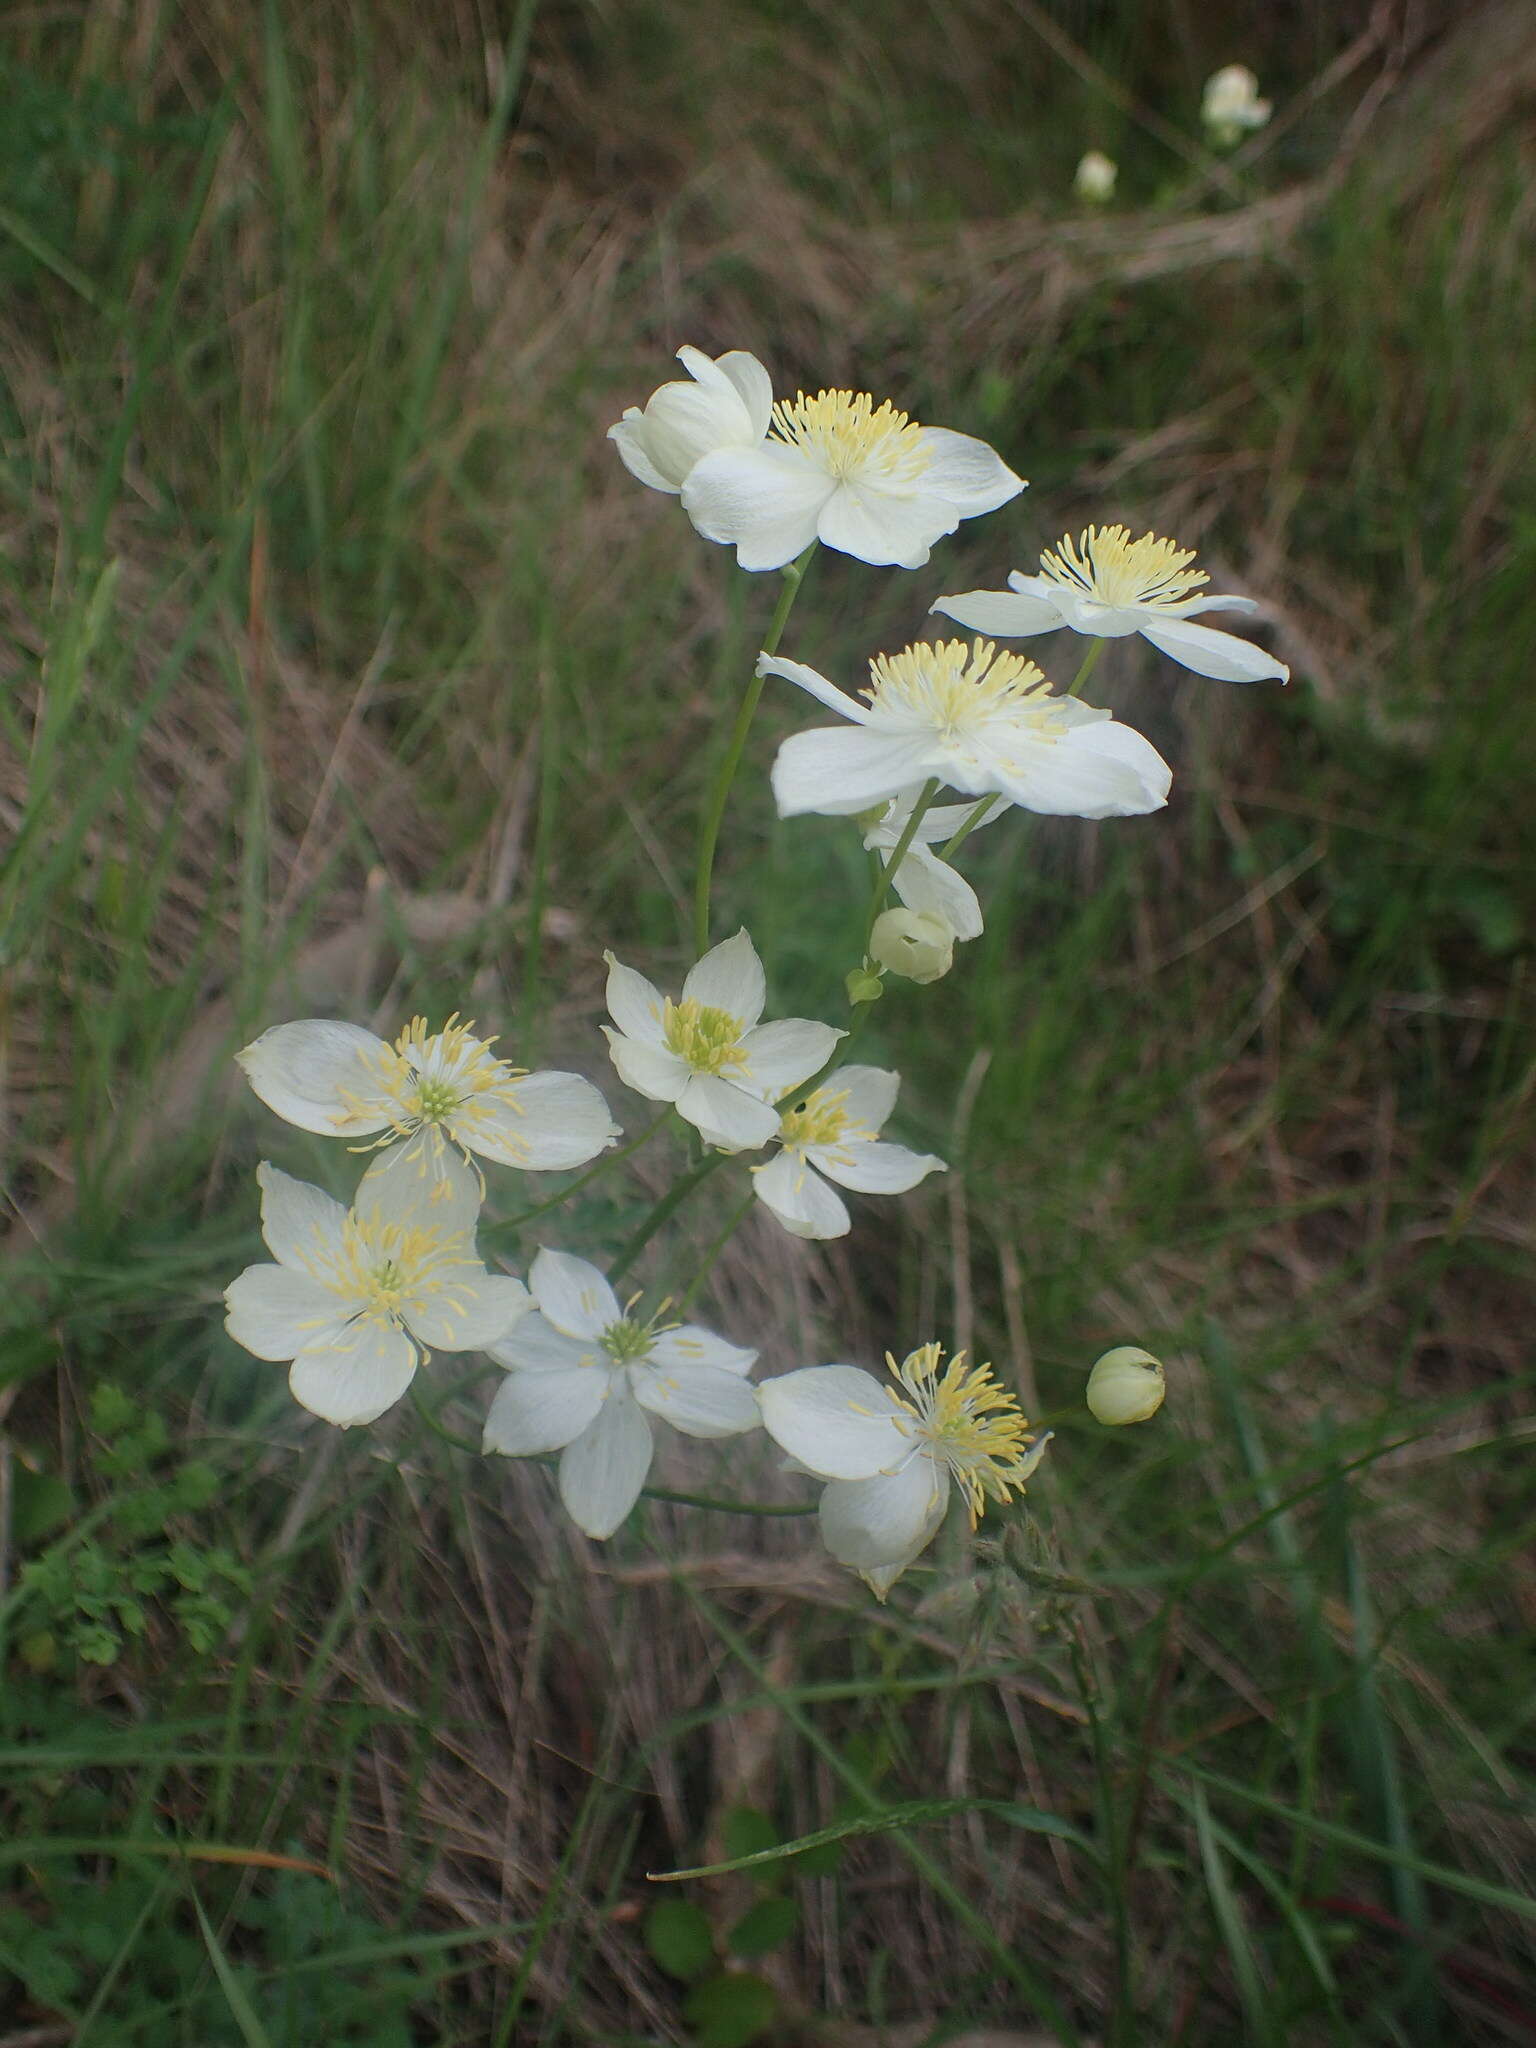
(433, 1093)
(892, 1453)
(358, 1294)
(973, 717)
(835, 1132)
(584, 1379)
(859, 477)
(728, 404)
(1109, 585)
(1230, 106)
(707, 1053)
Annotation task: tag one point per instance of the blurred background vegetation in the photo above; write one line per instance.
(343, 670)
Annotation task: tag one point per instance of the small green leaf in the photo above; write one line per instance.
(677, 1935)
(730, 2009)
(38, 1504)
(765, 1926)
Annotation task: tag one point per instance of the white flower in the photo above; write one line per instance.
(356, 1295)
(728, 405)
(1095, 177)
(432, 1090)
(580, 1376)
(925, 882)
(891, 1456)
(835, 1131)
(858, 477)
(977, 719)
(914, 944)
(1231, 105)
(1109, 585)
(707, 1053)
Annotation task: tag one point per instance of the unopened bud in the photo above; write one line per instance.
(1126, 1385)
(1095, 178)
(913, 943)
(863, 987)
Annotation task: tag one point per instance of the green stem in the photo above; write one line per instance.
(1089, 664)
(972, 819)
(737, 1217)
(719, 795)
(672, 1200)
(882, 887)
(601, 1165)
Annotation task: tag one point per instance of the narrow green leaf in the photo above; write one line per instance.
(1030, 1818)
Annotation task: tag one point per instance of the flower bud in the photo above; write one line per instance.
(863, 987)
(913, 943)
(1095, 178)
(1126, 1385)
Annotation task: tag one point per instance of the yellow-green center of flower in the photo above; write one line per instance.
(435, 1101)
(626, 1342)
(446, 1082)
(956, 686)
(382, 1270)
(1111, 568)
(847, 434)
(704, 1038)
(970, 1422)
(820, 1120)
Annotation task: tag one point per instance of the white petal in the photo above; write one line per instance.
(320, 1075)
(1209, 653)
(632, 439)
(469, 1310)
(355, 1380)
(885, 527)
(1209, 601)
(725, 1115)
(700, 1400)
(926, 883)
(543, 1411)
(839, 770)
(815, 685)
(602, 1472)
(869, 1094)
(299, 1222)
(937, 824)
(729, 978)
(573, 1295)
(634, 1004)
(551, 1121)
(780, 1056)
(840, 1423)
(754, 385)
(534, 1345)
(972, 476)
(651, 1070)
(800, 1198)
(874, 1167)
(688, 1345)
(1093, 771)
(277, 1313)
(765, 500)
(685, 422)
(1003, 614)
(422, 1185)
(870, 1523)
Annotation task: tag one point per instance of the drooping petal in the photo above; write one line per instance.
(888, 528)
(1004, 614)
(729, 978)
(814, 685)
(783, 1054)
(700, 1400)
(840, 1423)
(688, 1345)
(469, 1310)
(573, 1295)
(651, 1070)
(277, 1313)
(634, 1004)
(840, 770)
(543, 1411)
(868, 1094)
(801, 1200)
(727, 1116)
(870, 1523)
(550, 1121)
(356, 1380)
(973, 477)
(1226, 656)
(629, 435)
(926, 883)
(535, 1345)
(423, 1185)
(321, 1075)
(764, 500)
(874, 1167)
(300, 1223)
(1210, 601)
(603, 1470)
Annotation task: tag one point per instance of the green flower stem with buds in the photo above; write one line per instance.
(719, 796)
(1089, 663)
(882, 887)
(972, 820)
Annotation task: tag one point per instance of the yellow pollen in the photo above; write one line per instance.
(955, 686)
(820, 1120)
(970, 1422)
(446, 1081)
(707, 1039)
(849, 435)
(1108, 566)
(383, 1271)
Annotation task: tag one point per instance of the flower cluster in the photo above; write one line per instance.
(357, 1298)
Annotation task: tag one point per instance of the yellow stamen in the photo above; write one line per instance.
(707, 1039)
(385, 1273)
(848, 434)
(446, 1082)
(820, 1120)
(955, 686)
(1108, 566)
(971, 1423)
